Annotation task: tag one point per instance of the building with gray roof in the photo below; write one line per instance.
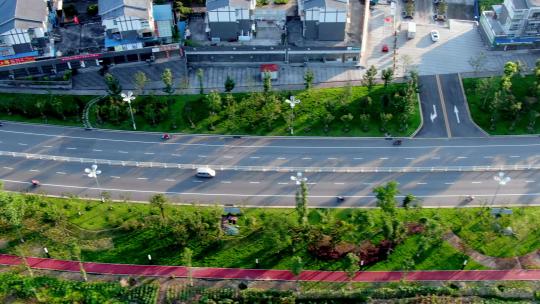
(23, 28)
(229, 19)
(324, 19)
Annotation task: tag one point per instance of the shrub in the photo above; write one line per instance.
(281, 1)
(92, 10)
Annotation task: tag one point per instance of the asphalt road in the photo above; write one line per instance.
(435, 120)
(265, 181)
(456, 108)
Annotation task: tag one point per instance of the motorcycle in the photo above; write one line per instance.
(165, 137)
(35, 183)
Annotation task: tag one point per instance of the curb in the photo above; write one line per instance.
(421, 117)
(467, 106)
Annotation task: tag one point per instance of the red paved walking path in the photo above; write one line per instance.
(280, 275)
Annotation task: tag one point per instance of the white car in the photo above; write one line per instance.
(205, 172)
(434, 35)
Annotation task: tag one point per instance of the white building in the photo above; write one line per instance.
(229, 19)
(323, 19)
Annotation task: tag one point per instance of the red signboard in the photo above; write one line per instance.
(17, 60)
(81, 57)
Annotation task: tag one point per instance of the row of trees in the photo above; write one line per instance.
(498, 97)
(262, 112)
(45, 107)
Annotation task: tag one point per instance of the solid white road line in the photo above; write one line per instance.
(263, 195)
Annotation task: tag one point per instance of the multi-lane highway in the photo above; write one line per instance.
(257, 170)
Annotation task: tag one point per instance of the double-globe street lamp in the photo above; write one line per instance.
(299, 179)
(502, 179)
(93, 172)
(129, 97)
(292, 102)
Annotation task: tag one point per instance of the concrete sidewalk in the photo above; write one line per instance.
(274, 275)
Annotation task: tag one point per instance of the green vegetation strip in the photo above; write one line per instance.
(507, 105)
(348, 111)
(127, 233)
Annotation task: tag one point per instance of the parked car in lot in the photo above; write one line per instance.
(434, 35)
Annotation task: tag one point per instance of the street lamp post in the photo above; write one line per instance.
(93, 172)
(501, 179)
(299, 179)
(292, 102)
(129, 98)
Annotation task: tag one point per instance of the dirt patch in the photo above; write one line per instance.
(4, 244)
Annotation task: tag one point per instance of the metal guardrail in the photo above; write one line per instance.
(273, 169)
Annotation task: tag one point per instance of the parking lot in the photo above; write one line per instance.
(460, 40)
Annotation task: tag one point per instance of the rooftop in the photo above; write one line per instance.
(22, 14)
(336, 4)
(163, 12)
(109, 9)
(520, 4)
(215, 4)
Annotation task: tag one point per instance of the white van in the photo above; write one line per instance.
(205, 172)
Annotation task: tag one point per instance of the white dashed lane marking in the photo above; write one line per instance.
(149, 153)
(97, 150)
(142, 178)
(421, 183)
(61, 173)
(169, 180)
(225, 182)
(47, 146)
(476, 182)
(8, 168)
(254, 182)
(515, 156)
(34, 170)
(124, 152)
(21, 144)
(115, 176)
(70, 148)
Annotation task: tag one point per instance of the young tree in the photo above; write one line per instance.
(308, 79)
(267, 82)
(187, 257)
(364, 121)
(214, 104)
(386, 196)
(200, 78)
(478, 62)
(76, 253)
(297, 266)
(113, 85)
(159, 201)
(140, 80)
(302, 203)
(369, 77)
(229, 84)
(486, 88)
(167, 79)
(346, 119)
(385, 119)
(352, 266)
(387, 76)
(408, 200)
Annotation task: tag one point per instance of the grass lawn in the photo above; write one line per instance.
(106, 233)
(303, 123)
(308, 122)
(520, 87)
